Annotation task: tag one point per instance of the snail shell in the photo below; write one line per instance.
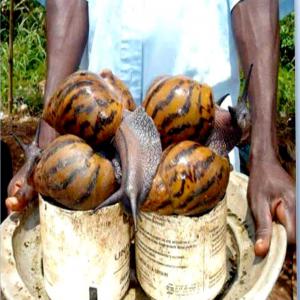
(84, 105)
(181, 109)
(74, 175)
(190, 180)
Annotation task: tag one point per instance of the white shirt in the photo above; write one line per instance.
(142, 39)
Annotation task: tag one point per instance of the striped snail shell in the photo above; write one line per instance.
(181, 109)
(84, 105)
(190, 180)
(74, 175)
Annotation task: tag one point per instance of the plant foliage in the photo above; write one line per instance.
(29, 53)
(286, 76)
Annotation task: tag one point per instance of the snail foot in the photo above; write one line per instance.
(113, 199)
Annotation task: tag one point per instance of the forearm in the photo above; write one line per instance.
(256, 29)
(66, 31)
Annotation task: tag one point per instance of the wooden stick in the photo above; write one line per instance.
(10, 57)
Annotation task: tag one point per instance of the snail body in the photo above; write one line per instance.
(19, 188)
(72, 174)
(138, 143)
(84, 105)
(231, 127)
(181, 109)
(190, 180)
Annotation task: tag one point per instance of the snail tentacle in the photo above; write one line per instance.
(221, 100)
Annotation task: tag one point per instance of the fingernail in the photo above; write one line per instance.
(259, 241)
(11, 201)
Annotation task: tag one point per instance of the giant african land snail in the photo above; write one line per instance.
(191, 178)
(89, 108)
(73, 174)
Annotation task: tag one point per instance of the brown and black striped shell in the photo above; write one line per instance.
(72, 174)
(119, 88)
(181, 109)
(84, 105)
(190, 180)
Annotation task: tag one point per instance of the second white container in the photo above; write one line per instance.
(179, 257)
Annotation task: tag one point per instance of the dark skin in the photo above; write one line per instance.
(271, 191)
(255, 25)
(67, 30)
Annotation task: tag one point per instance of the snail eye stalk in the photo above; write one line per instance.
(221, 100)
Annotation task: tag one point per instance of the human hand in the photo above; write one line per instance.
(19, 192)
(271, 196)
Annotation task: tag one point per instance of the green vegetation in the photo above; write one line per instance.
(286, 74)
(286, 77)
(30, 66)
(29, 53)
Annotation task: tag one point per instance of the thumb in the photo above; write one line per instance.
(263, 222)
(287, 217)
(12, 204)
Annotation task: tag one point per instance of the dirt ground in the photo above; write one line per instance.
(24, 127)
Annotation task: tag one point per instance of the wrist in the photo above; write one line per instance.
(263, 147)
(265, 154)
(264, 141)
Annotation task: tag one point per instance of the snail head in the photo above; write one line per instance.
(240, 114)
(32, 155)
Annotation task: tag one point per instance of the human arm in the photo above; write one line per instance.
(271, 191)
(66, 33)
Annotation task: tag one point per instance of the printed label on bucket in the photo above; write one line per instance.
(182, 257)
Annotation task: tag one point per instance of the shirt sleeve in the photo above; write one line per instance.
(232, 3)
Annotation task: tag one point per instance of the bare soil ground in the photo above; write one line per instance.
(24, 127)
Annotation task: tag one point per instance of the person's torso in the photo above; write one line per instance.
(140, 40)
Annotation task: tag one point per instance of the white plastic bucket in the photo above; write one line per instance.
(85, 254)
(180, 257)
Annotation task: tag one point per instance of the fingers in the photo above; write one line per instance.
(263, 221)
(19, 179)
(13, 201)
(13, 204)
(20, 200)
(287, 217)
